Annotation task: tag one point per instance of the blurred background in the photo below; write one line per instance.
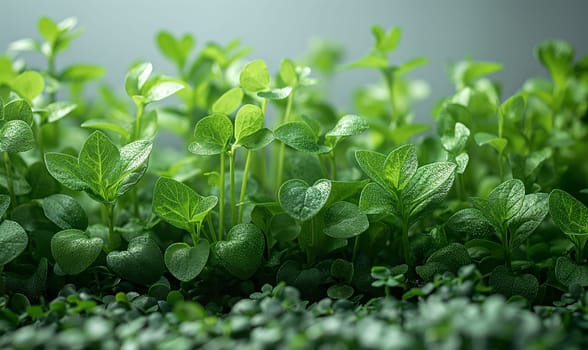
(117, 33)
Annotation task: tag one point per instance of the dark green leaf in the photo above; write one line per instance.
(507, 199)
(508, 284)
(97, 160)
(344, 220)
(13, 240)
(185, 262)
(18, 110)
(534, 209)
(65, 212)
(375, 200)
(568, 272)
(257, 140)
(242, 252)
(142, 262)
(74, 250)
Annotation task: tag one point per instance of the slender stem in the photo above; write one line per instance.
(244, 184)
(138, 120)
(211, 228)
(221, 190)
(282, 147)
(51, 72)
(110, 213)
(355, 246)
(507, 257)
(460, 187)
(390, 84)
(500, 166)
(405, 244)
(9, 181)
(333, 165)
(232, 185)
(194, 233)
(40, 141)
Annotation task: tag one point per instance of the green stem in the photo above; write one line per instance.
(213, 237)
(111, 235)
(282, 147)
(40, 141)
(507, 257)
(1, 280)
(9, 181)
(195, 233)
(244, 184)
(390, 84)
(51, 72)
(500, 166)
(355, 246)
(232, 185)
(405, 243)
(460, 187)
(221, 191)
(333, 165)
(138, 120)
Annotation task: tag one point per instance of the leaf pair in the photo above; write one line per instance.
(400, 187)
(101, 169)
(144, 89)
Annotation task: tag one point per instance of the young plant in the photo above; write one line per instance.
(103, 171)
(185, 209)
(401, 188)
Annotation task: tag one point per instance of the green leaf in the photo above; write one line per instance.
(185, 262)
(568, 272)
(428, 187)
(370, 61)
(228, 102)
(179, 205)
(507, 199)
(13, 240)
(142, 262)
(449, 258)
(161, 90)
(340, 291)
(7, 73)
(288, 72)
(64, 168)
(513, 108)
(506, 283)
(132, 164)
(568, 213)
(16, 136)
(255, 76)
(344, 220)
(375, 200)
(341, 190)
(249, 119)
(136, 78)
(276, 94)
(386, 41)
(59, 110)
(470, 222)
(558, 57)
(241, 253)
(176, 50)
(97, 160)
(372, 164)
(4, 204)
(212, 135)
(65, 212)
(18, 110)
(348, 125)
(48, 29)
(257, 140)
(28, 85)
(101, 124)
(302, 202)
(403, 133)
(455, 142)
(534, 209)
(465, 73)
(301, 137)
(74, 250)
(79, 73)
(400, 166)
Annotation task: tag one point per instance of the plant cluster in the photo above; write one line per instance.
(470, 236)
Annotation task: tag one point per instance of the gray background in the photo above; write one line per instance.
(118, 32)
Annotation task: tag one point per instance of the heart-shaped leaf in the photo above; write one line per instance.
(449, 258)
(185, 262)
(288, 72)
(74, 250)
(212, 135)
(344, 220)
(65, 212)
(228, 102)
(180, 205)
(142, 262)
(255, 76)
(4, 204)
(13, 240)
(301, 201)
(16, 136)
(301, 137)
(249, 119)
(242, 253)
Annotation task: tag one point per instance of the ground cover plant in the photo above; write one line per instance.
(281, 221)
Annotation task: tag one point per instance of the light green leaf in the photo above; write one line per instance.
(28, 85)
(16, 136)
(288, 72)
(59, 110)
(455, 141)
(18, 110)
(13, 240)
(64, 168)
(302, 202)
(179, 205)
(498, 143)
(228, 102)
(428, 187)
(344, 220)
(386, 41)
(276, 94)
(558, 57)
(255, 76)
(161, 90)
(97, 160)
(348, 125)
(101, 124)
(132, 165)
(507, 199)
(568, 213)
(301, 137)
(402, 134)
(370, 61)
(400, 166)
(48, 29)
(136, 78)
(212, 134)
(249, 119)
(79, 73)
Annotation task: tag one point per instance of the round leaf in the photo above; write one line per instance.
(74, 250)
(28, 85)
(255, 76)
(302, 202)
(345, 220)
(142, 262)
(185, 262)
(212, 134)
(13, 240)
(16, 136)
